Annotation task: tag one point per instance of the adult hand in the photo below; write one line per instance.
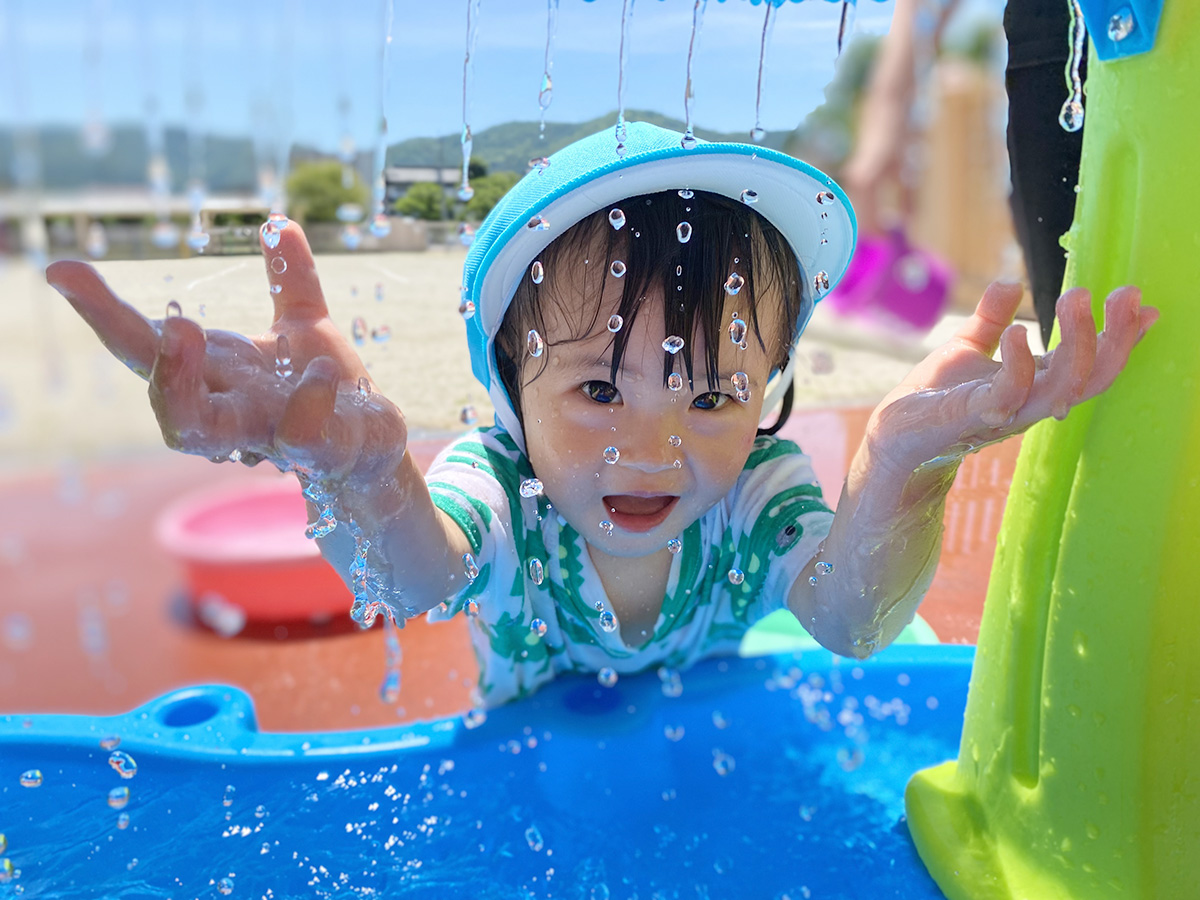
(290, 394)
(959, 399)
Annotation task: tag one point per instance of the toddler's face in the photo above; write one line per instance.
(677, 452)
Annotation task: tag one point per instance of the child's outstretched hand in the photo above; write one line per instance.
(290, 394)
(958, 398)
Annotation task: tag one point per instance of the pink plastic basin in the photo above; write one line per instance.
(247, 546)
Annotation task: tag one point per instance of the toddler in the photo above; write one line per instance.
(634, 318)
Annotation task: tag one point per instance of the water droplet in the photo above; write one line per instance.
(283, 357)
(540, 163)
(123, 764)
(723, 763)
(362, 391)
(466, 309)
(739, 381)
(675, 440)
(736, 576)
(534, 343)
(537, 272)
(812, 579)
(466, 234)
(381, 334)
(225, 886)
(1120, 26)
(533, 837)
(824, 568)
(749, 196)
(381, 226)
(472, 608)
(358, 330)
(686, 194)
(279, 221)
(672, 684)
(538, 627)
(227, 799)
(7, 871)
(734, 283)
(276, 288)
(474, 718)
(123, 821)
(616, 218)
(607, 677)
(465, 193)
(467, 415)
(546, 92)
(31, 778)
(537, 223)
(617, 269)
(608, 622)
(688, 142)
(1071, 116)
(743, 396)
(674, 545)
(351, 237)
(197, 239)
(165, 235)
(673, 344)
(469, 567)
(737, 331)
(112, 742)
(607, 527)
(537, 572)
(118, 797)
(279, 265)
(349, 212)
(824, 197)
(683, 231)
(675, 381)
(174, 310)
(821, 281)
(614, 323)
(260, 812)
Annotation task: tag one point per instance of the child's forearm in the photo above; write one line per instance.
(415, 546)
(883, 550)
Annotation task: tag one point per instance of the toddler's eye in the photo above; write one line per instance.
(601, 391)
(710, 400)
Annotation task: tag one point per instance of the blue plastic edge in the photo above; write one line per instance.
(217, 722)
(1097, 14)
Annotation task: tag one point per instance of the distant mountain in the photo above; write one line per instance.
(229, 162)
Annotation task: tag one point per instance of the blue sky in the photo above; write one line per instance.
(267, 64)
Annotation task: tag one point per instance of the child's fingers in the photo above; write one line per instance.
(1125, 321)
(295, 289)
(128, 335)
(177, 390)
(1070, 365)
(992, 316)
(1010, 387)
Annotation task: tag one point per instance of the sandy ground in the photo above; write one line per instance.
(62, 397)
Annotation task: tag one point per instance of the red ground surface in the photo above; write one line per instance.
(95, 617)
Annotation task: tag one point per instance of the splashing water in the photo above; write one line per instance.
(380, 226)
(626, 15)
(546, 89)
(758, 133)
(389, 691)
(1071, 116)
(689, 140)
(466, 192)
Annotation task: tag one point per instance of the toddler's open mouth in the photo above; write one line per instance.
(639, 513)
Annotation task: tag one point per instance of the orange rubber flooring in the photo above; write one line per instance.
(95, 617)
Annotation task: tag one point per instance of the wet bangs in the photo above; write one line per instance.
(700, 249)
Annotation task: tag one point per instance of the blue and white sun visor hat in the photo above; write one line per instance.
(807, 207)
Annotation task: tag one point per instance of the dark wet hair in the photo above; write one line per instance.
(727, 236)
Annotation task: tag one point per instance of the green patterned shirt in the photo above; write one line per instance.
(737, 564)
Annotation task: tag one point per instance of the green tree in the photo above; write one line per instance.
(316, 190)
(488, 191)
(424, 200)
(476, 168)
